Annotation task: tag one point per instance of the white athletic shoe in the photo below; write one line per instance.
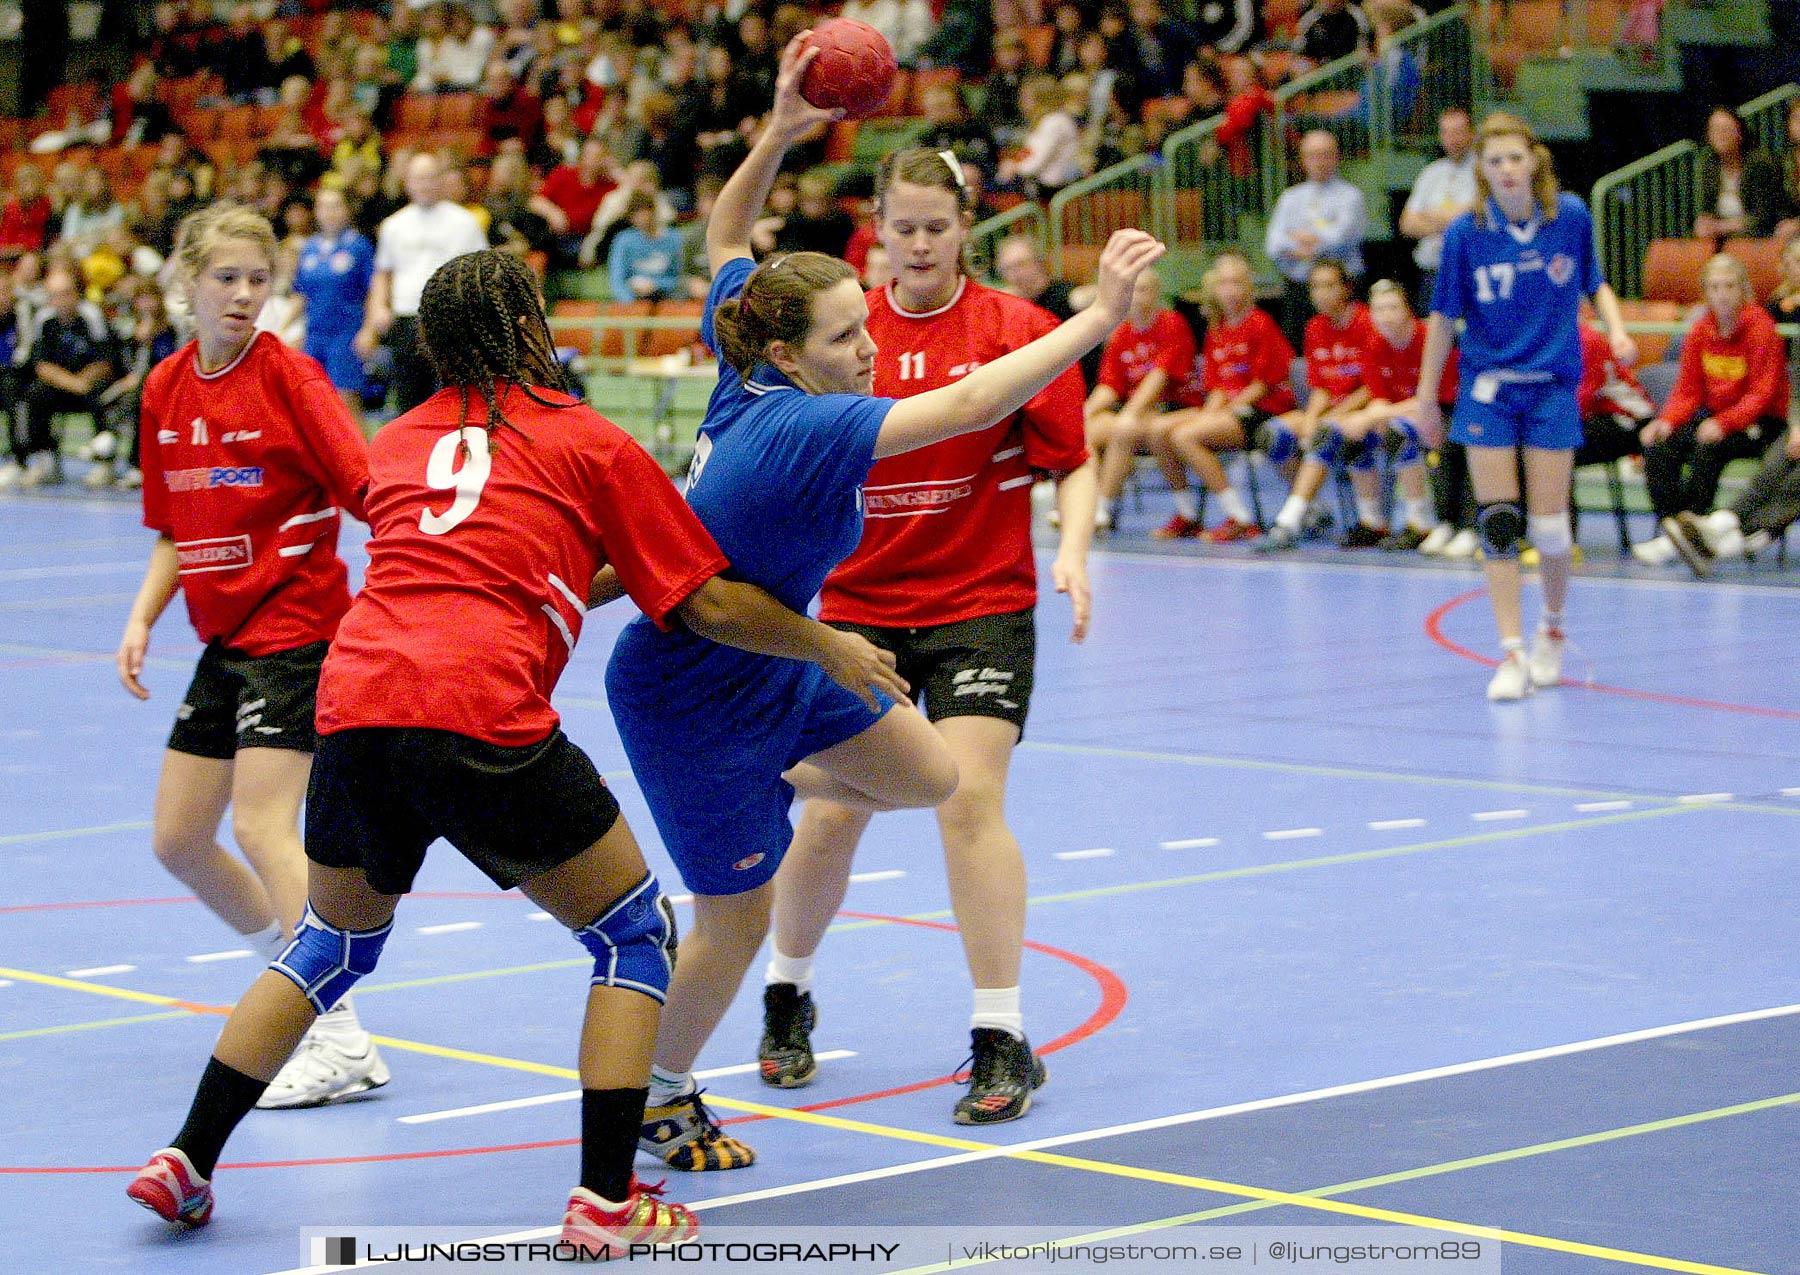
(131, 479)
(42, 470)
(1512, 680)
(99, 474)
(10, 473)
(328, 1066)
(1546, 657)
(1659, 552)
(1436, 539)
(1464, 545)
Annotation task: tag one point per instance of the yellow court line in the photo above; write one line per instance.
(893, 1133)
(100, 1022)
(101, 989)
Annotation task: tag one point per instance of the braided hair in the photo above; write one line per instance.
(470, 317)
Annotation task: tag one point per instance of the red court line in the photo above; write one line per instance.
(1434, 630)
(1113, 996)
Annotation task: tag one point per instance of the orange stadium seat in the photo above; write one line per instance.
(1762, 258)
(930, 77)
(415, 113)
(1672, 269)
(1039, 41)
(616, 342)
(840, 142)
(1091, 218)
(899, 101)
(579, 338)
(458, 110)
(660, 341)
(1652, 346)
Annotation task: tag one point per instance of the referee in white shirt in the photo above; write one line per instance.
(409, 248)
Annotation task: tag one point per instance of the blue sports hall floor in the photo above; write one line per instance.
(1318, 938)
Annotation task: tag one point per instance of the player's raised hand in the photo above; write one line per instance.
(862, 668)
(1126, 255)
(791, 115)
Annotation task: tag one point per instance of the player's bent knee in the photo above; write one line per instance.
(1550, 534)
(633, 942)
(1328, 444)
(325, 961)
(1501, 524)
(1411, 450)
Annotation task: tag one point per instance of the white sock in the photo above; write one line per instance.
(340, 1021)
(1720, 521)
(1511, 646)
(1755, 542)
(271, 942)
(1234, 506)
(1187, 504)
(1368, 511)
(783, 968)
(1419, 513)
(667, 1086)
(998, 1007)
(1293, 513)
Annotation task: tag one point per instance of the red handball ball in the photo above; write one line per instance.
(855, 68)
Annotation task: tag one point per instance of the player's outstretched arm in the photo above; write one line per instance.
(160, 581)
(738, 614)
(741, 202)
(996, 390)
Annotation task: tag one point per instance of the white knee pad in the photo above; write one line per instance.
(1550, 535)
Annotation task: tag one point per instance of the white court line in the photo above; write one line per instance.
(63, 834)
(1099, 852)
(6, 982)
(1790, 792)
(1701, 798)
(1189, 1117)
(1493, 816)
(1293, 834)
(1390, 825)
(204, 958)
(888, 874)
(1592, 807)
(1192, 843)
(569, 1095)
(539, 916)
(71, 569)
(453, 927)
(97, 970)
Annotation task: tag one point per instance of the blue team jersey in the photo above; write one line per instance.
(333, 275)
(1518, 290)
(777, 479)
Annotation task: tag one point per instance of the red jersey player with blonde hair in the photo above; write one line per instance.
(1242, 383)
(945, 578)
(248, 456)
(1144, 362)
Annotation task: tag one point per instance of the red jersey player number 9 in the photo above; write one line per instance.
(442, 474)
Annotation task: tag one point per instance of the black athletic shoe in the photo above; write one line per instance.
(1363, 536)
(1407, 538)
(1002, 1075)
(786, 1050)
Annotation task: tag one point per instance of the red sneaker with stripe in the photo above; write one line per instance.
(602, 1233)
(169, 1188)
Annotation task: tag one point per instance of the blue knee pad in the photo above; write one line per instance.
(633, 942)
(1328, 445)
(1361, 458)
(1411, 451)
(324, 962)
(1280, 444)
(1501, 524)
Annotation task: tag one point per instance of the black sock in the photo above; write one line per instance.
(610, 1122)
(224, 1098)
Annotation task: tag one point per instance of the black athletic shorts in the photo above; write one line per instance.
(982, 667)
(381, 795)
(249, 701)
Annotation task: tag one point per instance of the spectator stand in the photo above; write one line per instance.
(1020, 219)
(641, 364)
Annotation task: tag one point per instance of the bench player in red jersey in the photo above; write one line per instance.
(248, 457)
(495, 505)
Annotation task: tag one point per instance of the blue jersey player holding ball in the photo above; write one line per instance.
(1515, 269)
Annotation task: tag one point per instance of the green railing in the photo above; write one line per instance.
(1658, 197)
(1084, 213)
(1322, 99)
(1027, 218)
(1444, 50)
(1765, 119)
(1204, 198)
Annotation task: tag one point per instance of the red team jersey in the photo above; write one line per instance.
(947, 528)
(1131, 352)
(480, 563)
(245, 469)
(1392, 375)
(1252, 349)
(1334, 355)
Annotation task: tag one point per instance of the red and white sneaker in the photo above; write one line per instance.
(602, 1233)
(1230, 530)
(169, 1188)
(1177, 528)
